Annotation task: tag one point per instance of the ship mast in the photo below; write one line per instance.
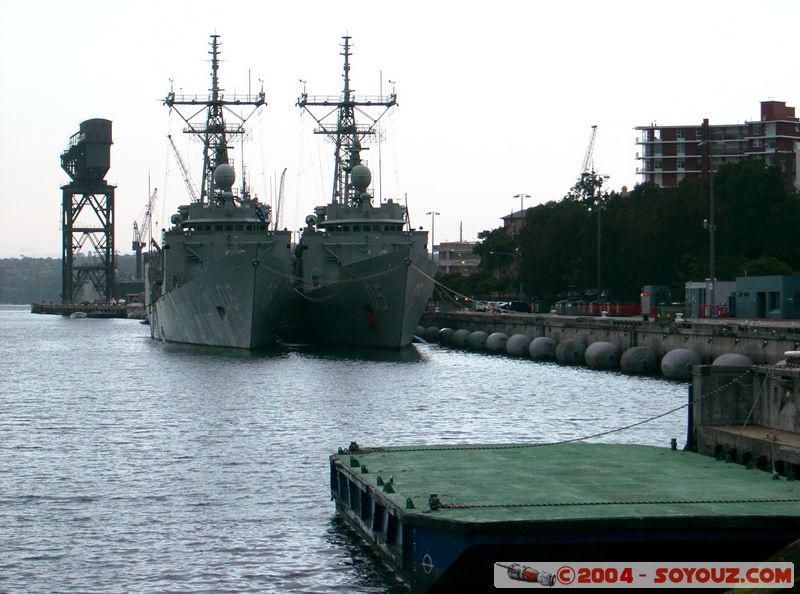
(347, 135)
(214, 131)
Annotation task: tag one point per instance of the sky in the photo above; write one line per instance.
(494, 99)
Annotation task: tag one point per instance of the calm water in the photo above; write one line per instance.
(127, 465)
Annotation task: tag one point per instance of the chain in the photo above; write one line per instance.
(589, 503)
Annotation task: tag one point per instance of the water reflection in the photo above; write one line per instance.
(372, 574)
(409, 354)
(198, 351)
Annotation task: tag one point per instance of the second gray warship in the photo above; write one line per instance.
(362, 274)
(221, 276)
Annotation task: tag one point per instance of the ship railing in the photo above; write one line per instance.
(197, 99)
(337, 99)
(201, 128)
(331, 129)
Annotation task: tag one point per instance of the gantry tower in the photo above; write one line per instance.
(87, 213)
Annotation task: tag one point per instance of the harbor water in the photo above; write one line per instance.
(127, 465)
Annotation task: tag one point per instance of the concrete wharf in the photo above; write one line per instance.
(763, 341)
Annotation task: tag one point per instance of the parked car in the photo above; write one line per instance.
(520, 306)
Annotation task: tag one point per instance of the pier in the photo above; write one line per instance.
(748, 416)
(92, 310)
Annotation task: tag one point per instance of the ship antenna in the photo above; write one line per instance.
(214, 133)
(347, 134)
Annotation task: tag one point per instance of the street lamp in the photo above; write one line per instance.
(521, 209)
(433, 228)
(598, 203)
(710, 225)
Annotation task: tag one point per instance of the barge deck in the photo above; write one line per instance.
(441, 516)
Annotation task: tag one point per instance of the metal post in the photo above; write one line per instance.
(599, 245)
(519, 249)
(433, 229)
(711, 271)
(521, 209)
(599, 205)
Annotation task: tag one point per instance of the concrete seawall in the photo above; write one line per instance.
(763, 341)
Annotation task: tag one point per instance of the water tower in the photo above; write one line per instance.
(87, 213)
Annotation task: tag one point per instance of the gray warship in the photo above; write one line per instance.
(362, 274)
(221, 276)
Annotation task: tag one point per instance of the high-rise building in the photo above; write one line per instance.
(671, 154)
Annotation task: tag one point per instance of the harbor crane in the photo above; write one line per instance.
(588, 163)
(187, 177)
(279, 201)
(141, 235)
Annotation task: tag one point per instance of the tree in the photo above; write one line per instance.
(496, 249)
(766, 266)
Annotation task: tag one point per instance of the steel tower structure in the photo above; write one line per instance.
(87, 212)
(214, 131)
(347, 134)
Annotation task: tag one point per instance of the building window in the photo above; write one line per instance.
(679, 134)
(657, 164)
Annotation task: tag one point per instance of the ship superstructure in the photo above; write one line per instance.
(221, 276)
(363, 275)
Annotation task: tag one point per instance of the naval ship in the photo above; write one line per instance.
(362, 274)
(221, 277)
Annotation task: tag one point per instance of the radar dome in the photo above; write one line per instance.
(224, 176)
(361, 177)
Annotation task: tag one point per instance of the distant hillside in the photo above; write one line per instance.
(30, 280)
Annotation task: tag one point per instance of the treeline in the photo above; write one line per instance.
(651, 235)
(31, 280)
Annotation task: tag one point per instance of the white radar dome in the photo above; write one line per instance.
(224, 176)
(361, 177)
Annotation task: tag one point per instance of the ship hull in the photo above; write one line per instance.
(239, 301)
(375, 302)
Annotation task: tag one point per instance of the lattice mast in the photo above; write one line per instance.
(348, 136)
(214, 132)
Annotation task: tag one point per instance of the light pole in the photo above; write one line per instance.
(433, 214)
(519, 249)
(598, 202)
(521, 209)
(710, 225)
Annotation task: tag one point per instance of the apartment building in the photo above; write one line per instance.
(670, 154)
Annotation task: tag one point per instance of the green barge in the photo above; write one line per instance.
(441, 516)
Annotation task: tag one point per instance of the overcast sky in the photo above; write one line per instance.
(495, 98)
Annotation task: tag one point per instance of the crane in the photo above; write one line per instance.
(141, 235)
(588, 163)
(279, 201)
(187, 178)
